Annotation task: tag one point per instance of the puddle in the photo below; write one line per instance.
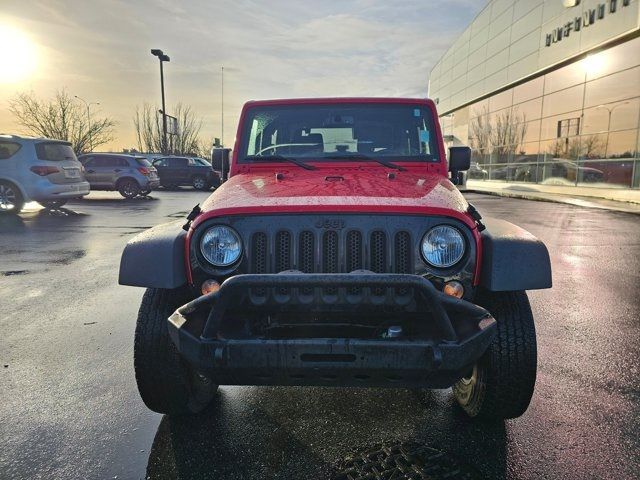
(179, 214)
(66, 256)
(10, 273)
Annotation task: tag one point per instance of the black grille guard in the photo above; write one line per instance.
(440, 305)
(462, 332)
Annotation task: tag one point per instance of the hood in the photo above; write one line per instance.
(358, 189)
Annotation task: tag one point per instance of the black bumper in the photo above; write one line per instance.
(460, 333)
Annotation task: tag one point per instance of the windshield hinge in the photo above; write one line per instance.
(192, 215)
(471, 210)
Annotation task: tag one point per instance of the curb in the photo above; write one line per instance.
(577, 201)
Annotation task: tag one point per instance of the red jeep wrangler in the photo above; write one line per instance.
(338, 253)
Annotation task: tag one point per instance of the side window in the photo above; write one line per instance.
(160, 163)
(178, 162)
(109, 162)
(8, 149)
(122, 162)
(89, 161)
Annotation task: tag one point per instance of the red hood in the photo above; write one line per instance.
(352, 189)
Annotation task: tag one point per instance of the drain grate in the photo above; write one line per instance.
(402, 461)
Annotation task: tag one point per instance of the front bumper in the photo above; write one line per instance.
(460, 332)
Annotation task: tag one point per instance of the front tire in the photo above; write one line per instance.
(165, 382)
(501, 384)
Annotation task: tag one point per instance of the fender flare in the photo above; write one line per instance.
(155, 258)
(512, 258)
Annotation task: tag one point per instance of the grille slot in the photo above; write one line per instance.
(354, 256)
(259, 253)
(354, 251)
(306, 254)
(330, 257)
(330, 252)
(402, 253)
(259, 256)
(306, 257)
(283, 255)
(378, 260)
(283, 251)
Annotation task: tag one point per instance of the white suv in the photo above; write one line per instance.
(39, 169)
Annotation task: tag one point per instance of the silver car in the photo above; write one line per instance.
(131, 175)
(39, 169)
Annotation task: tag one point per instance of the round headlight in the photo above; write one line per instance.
(221, 246)
(442, 246)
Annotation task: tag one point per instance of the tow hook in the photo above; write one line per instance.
(471, 210)
(192, 215)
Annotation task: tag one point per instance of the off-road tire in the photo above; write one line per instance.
(13, 196)
(199, 182)
(165, 382)
(502, 382)
(52, 204)
(128, 188)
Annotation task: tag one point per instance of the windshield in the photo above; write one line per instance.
(338, 131)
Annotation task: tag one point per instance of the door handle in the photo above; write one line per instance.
(91, 171)
(117, 170)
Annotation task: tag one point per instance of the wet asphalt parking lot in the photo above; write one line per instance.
(69, 406)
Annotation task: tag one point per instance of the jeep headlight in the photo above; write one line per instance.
(221, 246)
(442, 246)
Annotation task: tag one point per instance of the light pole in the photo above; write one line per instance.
(163, 58)
(610, 110)
(88, 105)
(222, 107)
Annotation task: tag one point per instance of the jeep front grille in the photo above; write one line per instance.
(331, 251)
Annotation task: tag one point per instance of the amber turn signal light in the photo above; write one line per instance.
(454, 288)
(209, 286)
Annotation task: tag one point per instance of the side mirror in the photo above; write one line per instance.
(220, 161)
(459, 159)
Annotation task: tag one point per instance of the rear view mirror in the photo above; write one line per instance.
(459, 159)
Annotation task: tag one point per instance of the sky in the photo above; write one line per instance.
(100, 51)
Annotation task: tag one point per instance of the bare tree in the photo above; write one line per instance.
(148, 126)
(501, 135)
(61, 118)
(588, 146)
(481, 132)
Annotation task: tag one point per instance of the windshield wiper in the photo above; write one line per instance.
(367, 158)
(271, 158)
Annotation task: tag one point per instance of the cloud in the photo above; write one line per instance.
(280, 48)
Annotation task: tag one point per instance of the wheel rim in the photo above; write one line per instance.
(468, 384)
(198, 182)
(129, 189)
(8, 198)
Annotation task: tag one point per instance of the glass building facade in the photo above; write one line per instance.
(568, 115)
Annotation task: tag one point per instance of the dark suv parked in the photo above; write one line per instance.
(128, 174)
(177, 171)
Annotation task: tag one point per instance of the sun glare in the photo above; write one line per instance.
(19, 55)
